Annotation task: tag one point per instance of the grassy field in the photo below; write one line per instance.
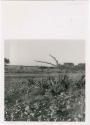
(44, 97)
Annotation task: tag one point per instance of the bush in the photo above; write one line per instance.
(45, 99)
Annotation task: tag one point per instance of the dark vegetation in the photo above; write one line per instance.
(6, 61)
(58, 97)
(39, 69)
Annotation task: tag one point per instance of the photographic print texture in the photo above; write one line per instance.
(44, 80)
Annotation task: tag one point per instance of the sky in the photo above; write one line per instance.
(45, 20)
(65, 21)
(24, 52)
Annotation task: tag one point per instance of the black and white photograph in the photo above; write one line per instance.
(44, 62)
(44, 80)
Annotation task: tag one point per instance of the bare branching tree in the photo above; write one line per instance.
(56, 61)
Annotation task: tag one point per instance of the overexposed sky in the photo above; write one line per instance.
(24, 52)
(45, 19)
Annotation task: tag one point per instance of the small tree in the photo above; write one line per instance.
(6, 61)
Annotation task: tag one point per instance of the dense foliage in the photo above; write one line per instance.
(45, 99)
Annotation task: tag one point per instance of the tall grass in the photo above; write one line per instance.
(45, 99)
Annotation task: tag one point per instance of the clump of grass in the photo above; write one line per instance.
(46, 99)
